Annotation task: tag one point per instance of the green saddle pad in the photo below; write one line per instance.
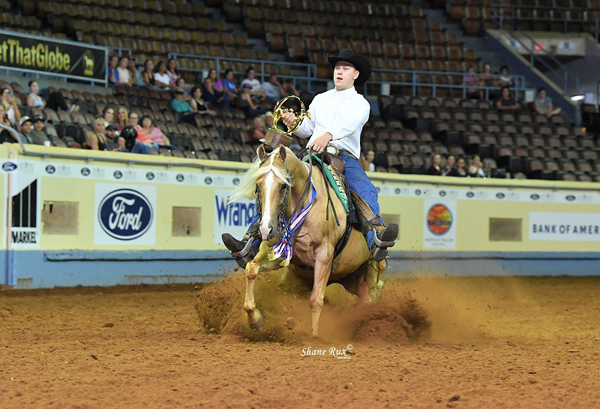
(334, 181)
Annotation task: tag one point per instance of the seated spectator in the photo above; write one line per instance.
(471, 82)
(487, 79)
(228, 88)
(183, 108)
(449, 166)
(161, 78)
(38, 136)
(542, 104)
(11, 109)
(135, 74)
(148, 74)
(113, 142)
(172, 72)
(273, 89)
(5, 136)
(26, 126)
(436, 168)
(256, 91)
(142, 136)
(476, 168)
(268, 120)
(123, 73)
(367, 162)
(180, 84)
(122, 118)
(156, 135)
(109, 116)
(459, 171)
(256, 131)
(210, 95)
(289, 88)
(198, 104)
(506, 102)
(245, 103)
(97, 140)
(111, 70)
(505, 80)
(212, 74)
(55, 99)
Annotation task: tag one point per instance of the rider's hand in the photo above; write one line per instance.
(319, 144)
(288, 118)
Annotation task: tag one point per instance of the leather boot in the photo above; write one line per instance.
(384, 237)
(242, 250)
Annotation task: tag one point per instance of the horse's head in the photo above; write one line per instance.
(273, 188)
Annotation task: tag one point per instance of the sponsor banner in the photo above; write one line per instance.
(125, 215)
(439, 231)
(26, 214)
(564, 226)
(43, 54)
(233, 218)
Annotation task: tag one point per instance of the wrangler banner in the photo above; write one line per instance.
(25, 52)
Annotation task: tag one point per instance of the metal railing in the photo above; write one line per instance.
(560, 71)
(565, 18)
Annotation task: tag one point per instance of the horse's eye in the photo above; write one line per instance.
(283, 187)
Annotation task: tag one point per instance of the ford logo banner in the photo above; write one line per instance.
(125, 214)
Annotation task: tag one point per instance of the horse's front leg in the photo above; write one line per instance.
(255, 318)
(322, 272)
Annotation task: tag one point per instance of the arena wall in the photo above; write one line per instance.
(84, 219)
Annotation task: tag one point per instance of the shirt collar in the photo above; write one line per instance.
(345, 93)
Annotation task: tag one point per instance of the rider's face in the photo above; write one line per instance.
(344, 75)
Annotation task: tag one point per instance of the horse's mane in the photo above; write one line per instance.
(247, 186)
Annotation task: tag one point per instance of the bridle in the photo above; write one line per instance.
(283, 227)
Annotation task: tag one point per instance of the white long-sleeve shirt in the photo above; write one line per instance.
(341, 113)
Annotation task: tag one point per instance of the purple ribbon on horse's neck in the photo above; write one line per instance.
(284, 247)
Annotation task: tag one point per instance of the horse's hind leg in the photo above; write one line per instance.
(365, 283)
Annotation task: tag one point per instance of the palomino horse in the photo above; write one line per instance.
(280, 180)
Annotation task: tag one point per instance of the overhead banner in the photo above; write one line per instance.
(439, 231)
(564, 226)
(25, 52)
(233, 218)
(125, 215)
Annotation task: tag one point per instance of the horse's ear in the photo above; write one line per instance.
(283, 153)
(262, 154)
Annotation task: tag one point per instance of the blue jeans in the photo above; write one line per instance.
(357, 181)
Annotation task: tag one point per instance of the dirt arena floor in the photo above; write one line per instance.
(435, 343)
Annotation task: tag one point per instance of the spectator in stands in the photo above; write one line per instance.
(471, 82)
(180, 84)
(142, 136)
(156, 135)
(289, 88)
(55, 99)
(97, 140)
(268, 120)
(210, 95)
(542, 104)
(5, 136)
(436, 166)
(273, 89)
(245, 103)
(506, 101)
(487, 79)
(228, 88)
(212, 74)
(172, 72)
(476, 168)
(11, 109)
(161, 78)
(122, 118)
(256, 130)
(505, 80)
(135, 74)
(198, 104)
(183, 108)
(148, 74)
(111, 70)
(113, 142)
(26, 125)
(256, 91)
(367, 162)
(446, 170)
(109, 116)
(38, 136)
(123, 72)
(459, 171)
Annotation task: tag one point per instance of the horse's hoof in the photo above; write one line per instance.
(258, 324)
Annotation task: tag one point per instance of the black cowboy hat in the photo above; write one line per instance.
(361, 63)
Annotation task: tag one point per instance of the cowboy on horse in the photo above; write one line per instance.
(337, 118)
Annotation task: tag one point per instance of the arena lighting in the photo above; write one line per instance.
(577, 97)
